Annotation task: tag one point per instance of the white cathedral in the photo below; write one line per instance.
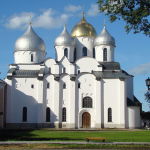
(83, 87)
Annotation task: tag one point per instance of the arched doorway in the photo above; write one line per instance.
(86, 120)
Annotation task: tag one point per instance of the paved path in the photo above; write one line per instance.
(72, 142)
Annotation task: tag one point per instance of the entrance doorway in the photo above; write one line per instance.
(86, 120)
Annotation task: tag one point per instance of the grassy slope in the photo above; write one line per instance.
(111, 136)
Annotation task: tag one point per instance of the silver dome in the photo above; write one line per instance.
(104, 38)
(30, 41)
(64, 39)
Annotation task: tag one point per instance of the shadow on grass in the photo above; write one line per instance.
(28, 135)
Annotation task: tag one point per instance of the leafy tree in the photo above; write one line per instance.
(136, 13)
(147, 96)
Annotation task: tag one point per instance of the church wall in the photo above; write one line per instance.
(87, 88)
(129, 83)
(22, 95)
(60, 53)
(99, 53)
(84, 42)
(134, 117)
(112, 99)
(25, 57)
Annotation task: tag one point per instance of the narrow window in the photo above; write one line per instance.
(49, 70)
(24, 114)
(93, 52)
(87, 102)
(64, 114)
(105, 54)
(32, 86)
(48, 114)
(75, 54)
(31, 57)
(64, 70)
(66, 52)
(79, 85)
(78, 71)
(64, 86)
(109, 115)
(48, 85)
(84, 51)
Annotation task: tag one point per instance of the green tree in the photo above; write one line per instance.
(135, 13)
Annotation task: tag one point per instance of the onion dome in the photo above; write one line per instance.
(29, 41)
(104, 38)
(83, 28)
(64, 39)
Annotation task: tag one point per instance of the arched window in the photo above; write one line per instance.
(64, 114)
(64, 70)
(109, 115)
(79, 85)
(93, 52)
(75, 54)
(64, 85)
(87, 102)
(24, 114)
(48, 85)
(105, 54)
(48, 113)
(31, 57)
(84, 51)
(66, 52)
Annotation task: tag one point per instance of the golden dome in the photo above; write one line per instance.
(83, 28)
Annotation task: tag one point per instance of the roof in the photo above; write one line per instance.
(134, 102)
(110, 65)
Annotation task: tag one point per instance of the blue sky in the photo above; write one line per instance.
(49, 17)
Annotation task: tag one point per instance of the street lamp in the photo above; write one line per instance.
(148, 83)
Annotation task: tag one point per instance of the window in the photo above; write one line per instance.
(48, 114)
(49, 70)
(78, 71)
(84, 51)
(66, 52)
(75, 54)
(105, 54)
(24, 114)
(64, 114)
(31, 57)
(109, 115)
(93, 52)
(64, 70)
(32, 86)
(64, 86)
(48, 85)
(87, 102)
(79, 85)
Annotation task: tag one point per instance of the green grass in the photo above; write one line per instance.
(111, 135)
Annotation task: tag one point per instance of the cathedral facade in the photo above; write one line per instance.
(83, 87)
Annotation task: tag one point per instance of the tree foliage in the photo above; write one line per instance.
(136, 13)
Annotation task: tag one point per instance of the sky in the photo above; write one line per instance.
(48, 18)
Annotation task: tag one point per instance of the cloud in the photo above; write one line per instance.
(19, 20)
(47, 19)
(93, 10)
(141, 69)
(73, 8)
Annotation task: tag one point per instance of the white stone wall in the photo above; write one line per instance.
(99, 53)
(24, 57)
(84, 42)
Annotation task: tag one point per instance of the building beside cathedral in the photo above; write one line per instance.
(83, 87)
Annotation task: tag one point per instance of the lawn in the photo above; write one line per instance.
(46, 134)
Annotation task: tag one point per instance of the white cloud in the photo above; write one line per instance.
(47, 19)
(73, 8)
(141, 69)
(19, 20)
(93, 10)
